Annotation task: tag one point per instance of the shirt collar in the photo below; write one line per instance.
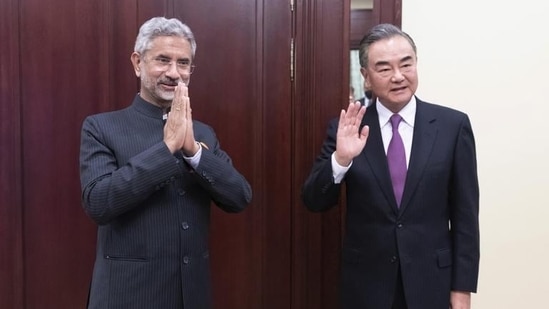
(147, 108)
(408, 112)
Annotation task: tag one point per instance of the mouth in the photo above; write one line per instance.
(399, 89)
(168, 86)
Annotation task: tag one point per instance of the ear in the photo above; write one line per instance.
(136, 62)
(364, 72)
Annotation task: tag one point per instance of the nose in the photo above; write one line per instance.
(397, 76)
(172, 72)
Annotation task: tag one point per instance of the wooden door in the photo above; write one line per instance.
(63, 60)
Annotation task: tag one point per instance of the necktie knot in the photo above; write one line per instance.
(395, 121)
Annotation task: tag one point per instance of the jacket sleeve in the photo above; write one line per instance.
(216, 174)
(319, 191)
(109, 190)
(464, 205)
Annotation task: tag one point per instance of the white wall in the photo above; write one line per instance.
(490, 59)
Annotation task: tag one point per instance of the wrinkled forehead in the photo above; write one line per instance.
(395, 48)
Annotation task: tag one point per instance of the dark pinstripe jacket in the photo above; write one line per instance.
(152, 210)
(434, 236)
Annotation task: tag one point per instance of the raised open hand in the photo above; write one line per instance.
(350, 141)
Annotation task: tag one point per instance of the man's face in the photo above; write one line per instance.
(162, 67)
(391, 72)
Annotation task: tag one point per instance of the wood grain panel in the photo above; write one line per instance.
(276, 148)
(11, 210)
(321, 91)
(388, 11)
(123, 21)
(361, 21)
(65, 45)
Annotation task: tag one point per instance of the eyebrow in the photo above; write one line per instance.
(382, 63)
(167, 57)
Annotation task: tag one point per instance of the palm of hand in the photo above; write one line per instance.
(350, 139)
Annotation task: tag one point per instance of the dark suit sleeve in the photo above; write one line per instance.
(226, 186)
(319, 191)
(464, 205)
(109, 190)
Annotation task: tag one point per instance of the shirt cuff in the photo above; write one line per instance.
(194, 160)
(338, 170)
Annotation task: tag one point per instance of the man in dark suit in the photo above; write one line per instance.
(149, 173)
(367, 99)
(412, 230)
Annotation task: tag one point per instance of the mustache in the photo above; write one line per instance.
(169, 82)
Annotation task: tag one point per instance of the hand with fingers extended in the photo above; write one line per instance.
(350, 138)
(178, 131)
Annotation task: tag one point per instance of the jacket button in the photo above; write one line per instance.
(399, 225)
(186, 260)
(181, 192)
(184, 225)
(393, 259)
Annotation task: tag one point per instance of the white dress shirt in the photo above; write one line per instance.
(406, 130)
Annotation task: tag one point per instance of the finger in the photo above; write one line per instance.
(184, 88)
(348, 115)
(351, 109)
(342, 118)
(361, 112)
(177, 103)
(364, 132)
(354, 110)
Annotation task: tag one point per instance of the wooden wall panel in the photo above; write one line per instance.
(388, 11)
(122, 84)
(65, 68)
(321, 90)
(276, 163)
(361, 21)
(11, 224)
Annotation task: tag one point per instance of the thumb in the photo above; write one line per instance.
(364, 132)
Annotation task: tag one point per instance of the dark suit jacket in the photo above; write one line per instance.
(365, 100)
(434, 236)
(152, 210)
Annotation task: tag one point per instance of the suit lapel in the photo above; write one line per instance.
(375, 155)
(425, 132)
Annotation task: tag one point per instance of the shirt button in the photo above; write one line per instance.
(186, 260)
(184, 225)
(393, 259)
(181, 192)
(399, 225)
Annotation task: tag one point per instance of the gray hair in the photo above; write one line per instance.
(161, 26)
(378, 33)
